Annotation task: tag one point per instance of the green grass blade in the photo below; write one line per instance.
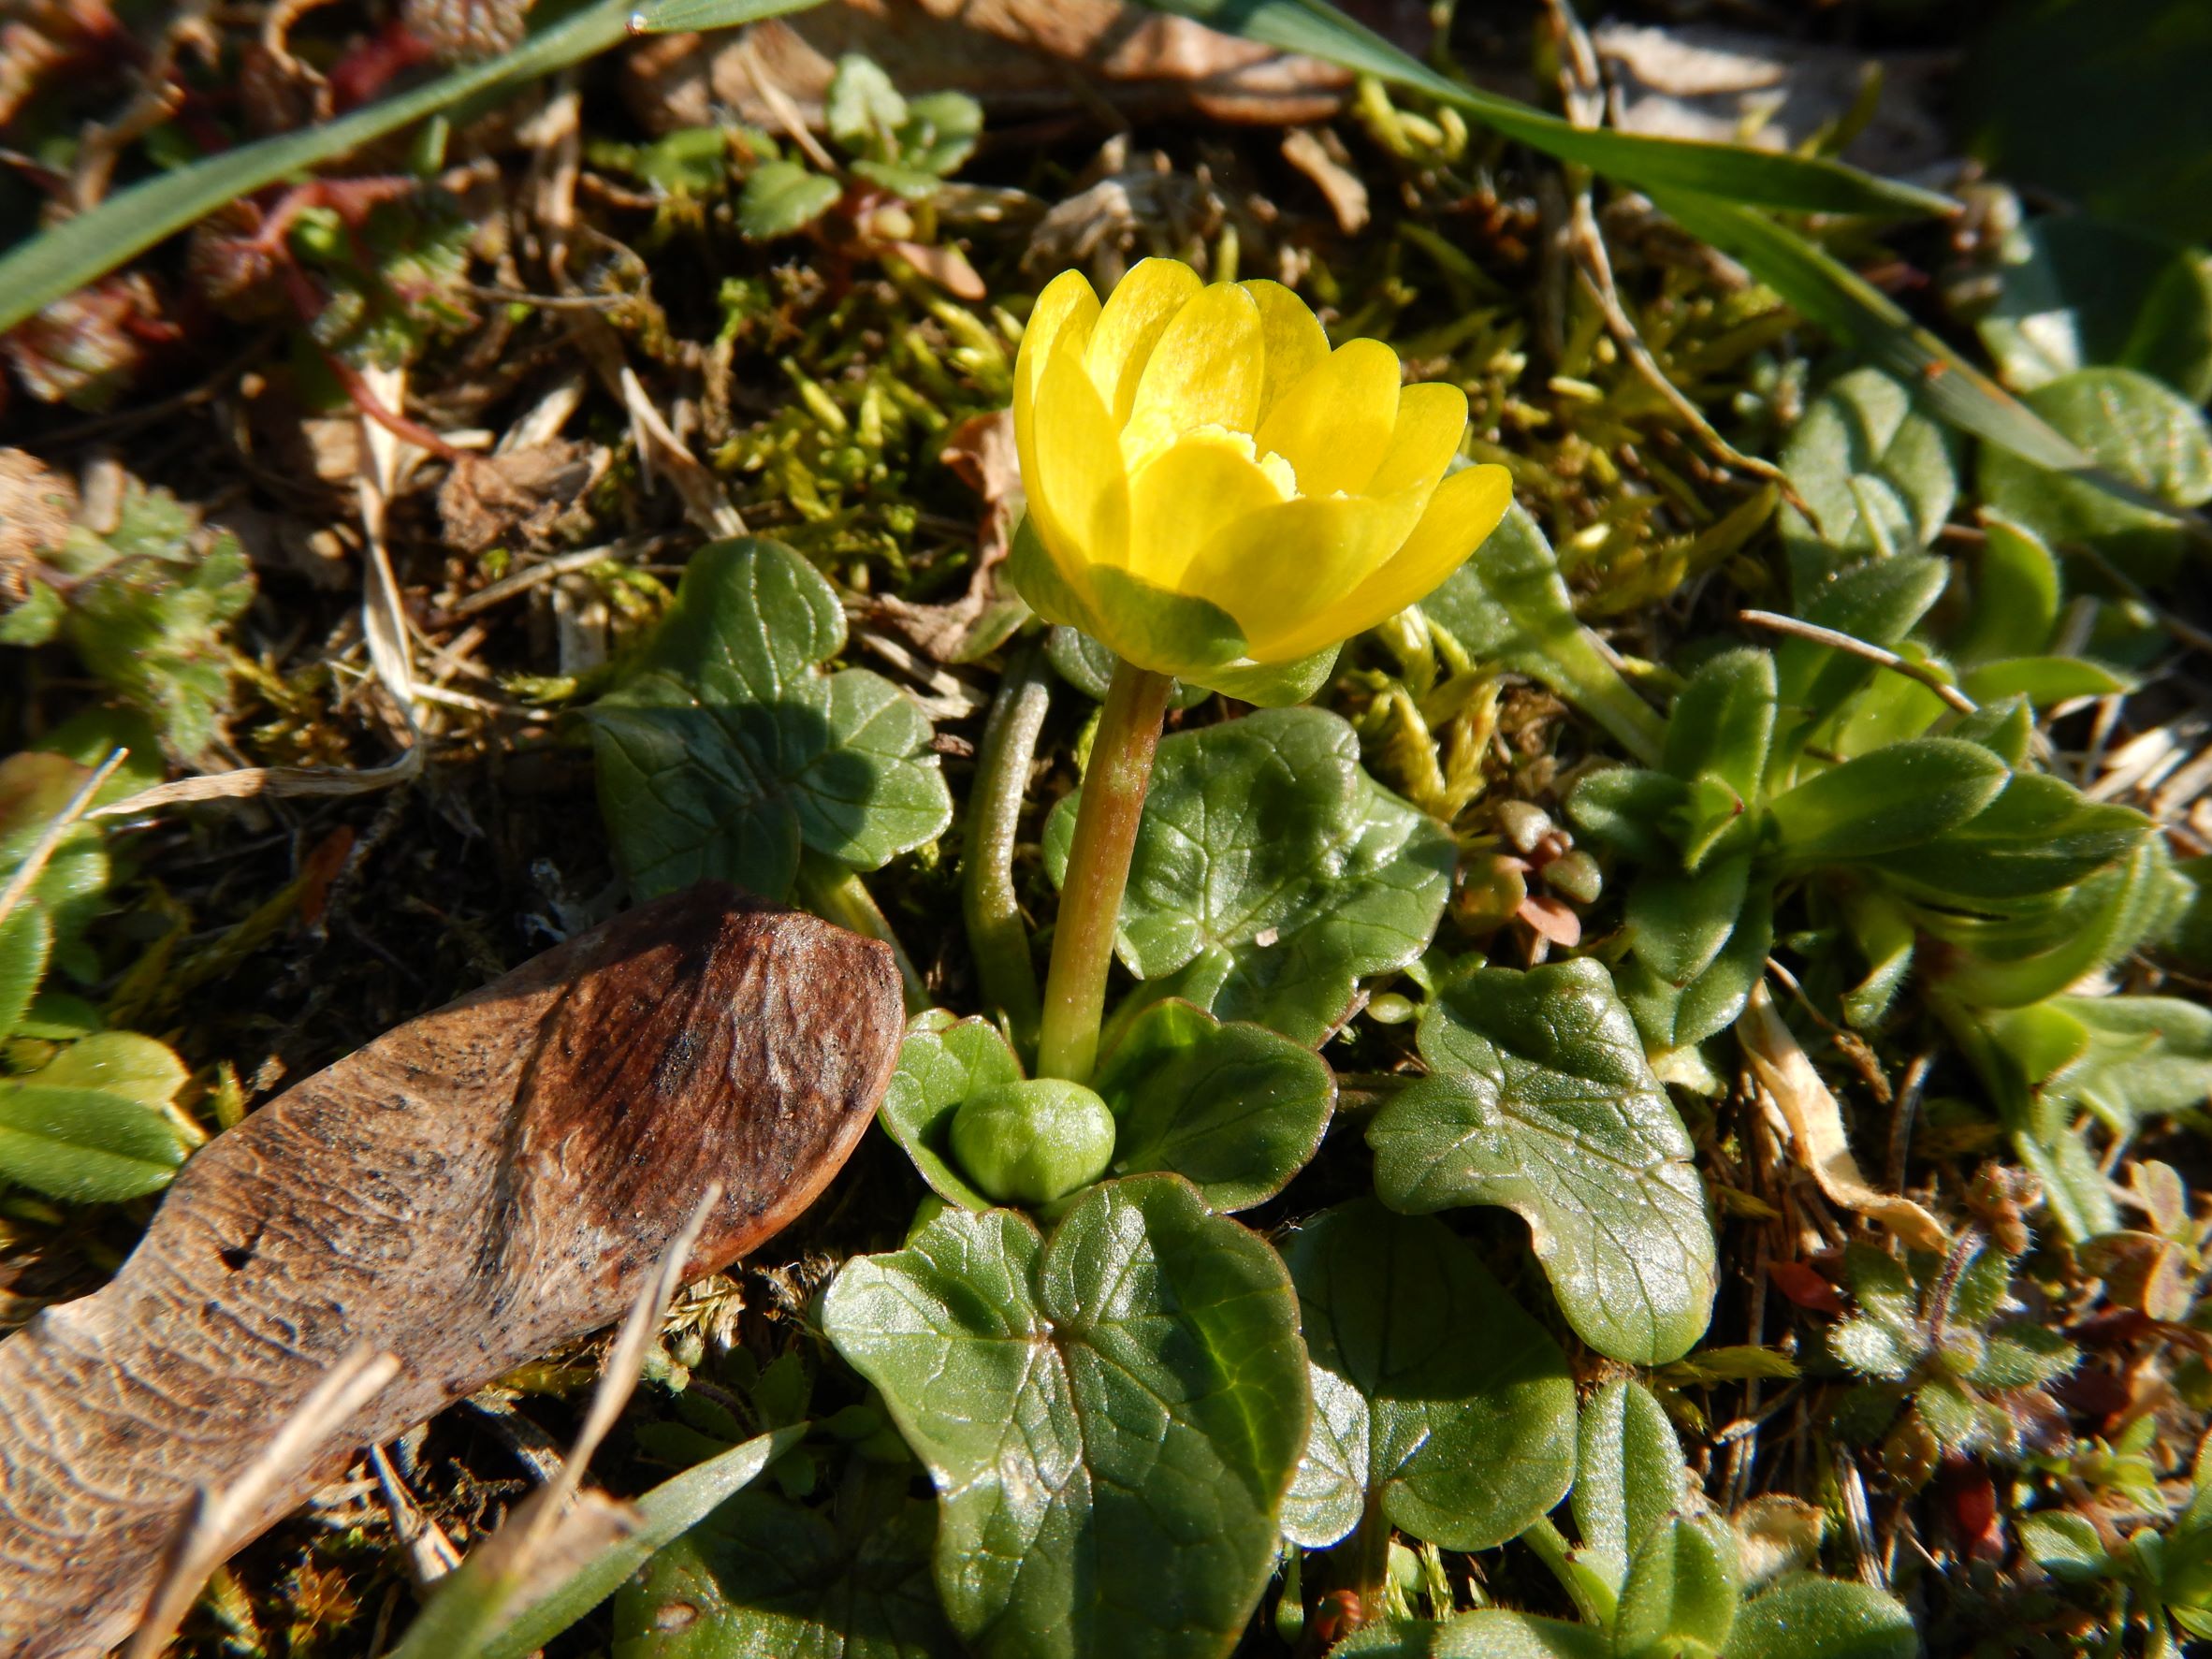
(64, 258)
(1762, 178)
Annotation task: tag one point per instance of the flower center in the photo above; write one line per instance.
(1148, 435)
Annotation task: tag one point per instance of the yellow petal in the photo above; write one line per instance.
(1205, 370)
(1334, 426)
(1283, 572)
(1464, 510)
(1296, 344)
(1187, 496)
(1432, 420)
(1078, 493)
(1066, 312)
(1142, 306)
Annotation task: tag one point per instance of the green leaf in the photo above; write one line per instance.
(2037, 836)
(1630, 809)
(26, 937)
(1898, 796)
(83, 1144)
(1763, 177)
(2064, 1544)
(940, 132)
(1628, 1477)
(667, 1512)
(762, 1579)
(2044, 680)
(2139, 430)
(2023, 1355)
(782, 196)
(2016, 597)
(1236, 1110)
(1878, 603)
(1673, 1016)
(863, 108)
(1723, 722)
(1879, 475)
(1272, 874)
(1541, 1100)
(726, 750)
(1437, 1400)
(2009, 961)
(2080, 293)
(1508, 604)
(1809, 1617)
(66, 256)
(942, 1062)
(1111, 1415)
(1682, 1591)
(1680, 925)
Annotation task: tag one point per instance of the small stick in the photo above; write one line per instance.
(1950, 693)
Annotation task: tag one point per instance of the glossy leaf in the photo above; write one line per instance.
(2140, 429)
(1539, 1098)
(1436, 1400)
(764, 1578)
(1111, 1415)
(1898, 796)
(1236, 1110)
(1272, 874)
(942, 1062)
(726, 750)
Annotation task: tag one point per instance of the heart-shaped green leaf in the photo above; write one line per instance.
(942, 1062)
(727, 750)
(1878, 474)
(1436, 1397)
(1111, 1415)
(2139, 430)
(764, 1578)
(1271, 873)
(1236, 1110)
(1539, 1098)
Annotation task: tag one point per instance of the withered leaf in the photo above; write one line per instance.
(468, 1191)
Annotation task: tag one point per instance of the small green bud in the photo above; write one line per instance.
(1034, 1142)
(1576, 876)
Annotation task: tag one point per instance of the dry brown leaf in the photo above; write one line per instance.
(1815, 1121)
(37, 508)
(1015, 55)
(981, 453)
(528, 495)
(476, 1188)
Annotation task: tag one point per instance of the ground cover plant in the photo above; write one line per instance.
(1523, 696)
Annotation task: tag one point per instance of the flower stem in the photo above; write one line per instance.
(995, 932)
(1098, 869)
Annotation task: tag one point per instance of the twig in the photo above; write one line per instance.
(1800, 629)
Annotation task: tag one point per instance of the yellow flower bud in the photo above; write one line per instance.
(1213, 491)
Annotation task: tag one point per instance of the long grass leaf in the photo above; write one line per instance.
(63, 258)
(1763, 178)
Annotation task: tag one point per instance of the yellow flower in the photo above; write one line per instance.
(1212, 488)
